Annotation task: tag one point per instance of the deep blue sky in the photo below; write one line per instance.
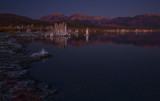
(107, 8)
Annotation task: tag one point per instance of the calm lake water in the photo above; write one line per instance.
(101, 67)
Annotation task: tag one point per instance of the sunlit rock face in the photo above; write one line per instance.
(56, 17)
(78, 18)
(60, 28)
(88, 19)
(138, 21)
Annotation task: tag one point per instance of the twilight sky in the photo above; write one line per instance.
(107, 8)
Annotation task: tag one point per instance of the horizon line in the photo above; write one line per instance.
(81, 14)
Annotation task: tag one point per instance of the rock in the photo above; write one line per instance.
(7, 51)
(46, 87)
(53, 92)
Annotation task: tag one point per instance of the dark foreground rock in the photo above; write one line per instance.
(15, 84)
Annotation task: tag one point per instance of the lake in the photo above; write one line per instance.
(101, 67)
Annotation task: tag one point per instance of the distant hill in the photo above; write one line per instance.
(13, 19)
(79, 18)
(56, 17)
(139, 21)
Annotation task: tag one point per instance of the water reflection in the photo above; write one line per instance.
(87, 37)
(61, 41)
(103, 71)
(138, 39)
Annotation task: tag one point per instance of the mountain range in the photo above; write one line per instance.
(81, 20)
(139, 21)
(16, 20)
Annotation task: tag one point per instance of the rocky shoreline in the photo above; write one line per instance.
(15, 84)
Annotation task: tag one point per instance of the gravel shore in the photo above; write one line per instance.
(15, 84)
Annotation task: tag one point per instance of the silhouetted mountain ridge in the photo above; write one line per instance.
(81, 20)
(15, 20)
(138, 21)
